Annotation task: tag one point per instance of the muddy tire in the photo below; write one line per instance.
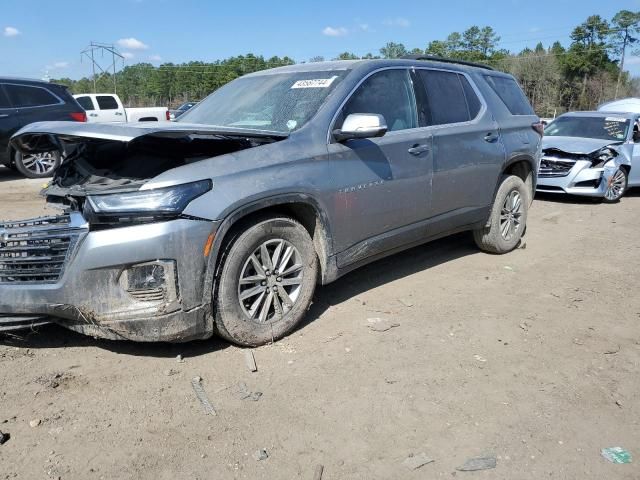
(508, 219)
(266, 283)
(40, 165)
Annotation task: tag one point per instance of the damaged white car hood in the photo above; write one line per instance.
(575, 145)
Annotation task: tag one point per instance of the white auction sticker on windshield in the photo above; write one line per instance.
(314, 83)
(615, 119)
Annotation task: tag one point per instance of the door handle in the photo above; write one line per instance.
(119, 113)
(4, 115)
(491, 137)
(417, 149)
(93, 114)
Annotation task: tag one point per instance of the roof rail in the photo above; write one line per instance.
(435, 58)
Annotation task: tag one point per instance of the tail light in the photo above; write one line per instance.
(538, 127)
(79, 116)
(168, 115)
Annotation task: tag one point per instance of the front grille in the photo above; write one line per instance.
(555, 167)
(36, 250)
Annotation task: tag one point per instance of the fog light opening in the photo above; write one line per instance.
(152, 281)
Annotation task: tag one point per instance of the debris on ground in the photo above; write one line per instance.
(507, 267)
(406, 302)
(51, 380)
(552, 217)
(480, 358)
(619, 403)
(522, 244)
(196, 383)
(179, 359)
(478, 463)
(616, 455)
(170, 372)
(380, 324)
(525, 326)
(612, 350)
(35, 423)
(260, 454)
(317, 473)
(413, 462)
(4, 438)
(245, 394)
(250, 360)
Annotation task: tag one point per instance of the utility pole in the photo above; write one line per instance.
(103, 49)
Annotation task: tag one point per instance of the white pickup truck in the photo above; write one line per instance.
(107, 107)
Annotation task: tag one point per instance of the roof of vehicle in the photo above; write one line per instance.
(449, 64)
(33, 81)
(593, 113)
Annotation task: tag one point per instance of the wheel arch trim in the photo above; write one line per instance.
(323, 241)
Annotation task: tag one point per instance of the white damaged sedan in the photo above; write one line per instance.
(594, 154)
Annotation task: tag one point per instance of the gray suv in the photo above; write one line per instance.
(224, 221)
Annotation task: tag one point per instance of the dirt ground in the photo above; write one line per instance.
(532, 357)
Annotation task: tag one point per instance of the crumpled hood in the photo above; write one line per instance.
(576, 145)
(40, 136)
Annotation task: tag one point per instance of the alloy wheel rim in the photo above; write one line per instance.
(511, 215)
(39, 163)
(270, 281)
(615, 189)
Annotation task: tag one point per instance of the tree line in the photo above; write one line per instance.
(555, 79)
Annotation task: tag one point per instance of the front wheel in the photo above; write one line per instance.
(266, 283)
(508, 218)
(37, 165)
(616, 186)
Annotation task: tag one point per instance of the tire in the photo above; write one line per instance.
(255, 320)
(617, 186)
(508, 219)
(41, 165)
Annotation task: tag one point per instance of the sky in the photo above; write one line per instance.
(39, 37)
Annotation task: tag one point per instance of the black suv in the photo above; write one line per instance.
(23, 102)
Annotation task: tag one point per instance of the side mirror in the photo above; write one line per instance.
(361, 125)
(636, 136)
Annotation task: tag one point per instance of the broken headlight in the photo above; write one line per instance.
(602, 156)
(147, 205)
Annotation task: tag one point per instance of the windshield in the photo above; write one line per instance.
(604, 128)
(275, 102)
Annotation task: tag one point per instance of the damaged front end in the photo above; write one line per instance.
(579, 171)
(121, 261)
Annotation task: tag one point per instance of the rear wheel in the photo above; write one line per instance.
(266, 283)
(616, 186)
(37, 165)
(508, 217)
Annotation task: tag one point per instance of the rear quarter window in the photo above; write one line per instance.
(510, 94)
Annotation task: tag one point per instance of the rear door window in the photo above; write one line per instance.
(86, 103)
(27, 96)
(107, 102)
(447, 101)
(4, 100)
(388, 93)
(510, 94)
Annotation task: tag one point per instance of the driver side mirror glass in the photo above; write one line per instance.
(361, 125)
(636, 136)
